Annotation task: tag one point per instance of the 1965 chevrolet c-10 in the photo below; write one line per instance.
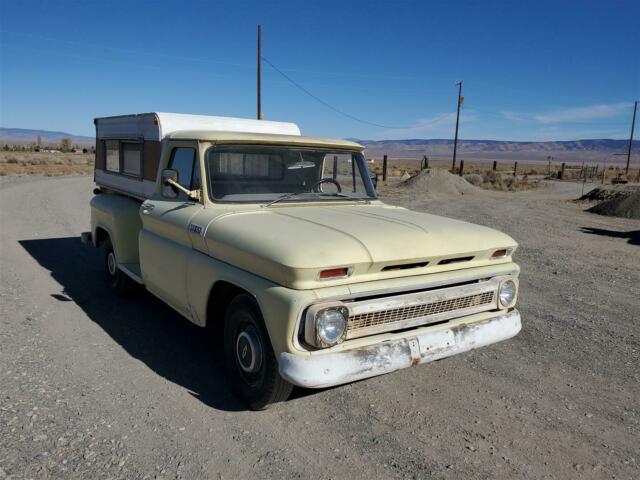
(279, 243)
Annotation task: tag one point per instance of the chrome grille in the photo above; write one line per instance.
(390, 316)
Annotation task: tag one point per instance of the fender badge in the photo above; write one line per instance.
(197, 229)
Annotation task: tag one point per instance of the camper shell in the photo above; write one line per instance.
(128, 147)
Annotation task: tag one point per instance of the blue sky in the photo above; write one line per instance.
(535, 70)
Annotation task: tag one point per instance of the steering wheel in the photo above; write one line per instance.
(326, 180)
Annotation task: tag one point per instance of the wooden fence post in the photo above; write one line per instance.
(561, 176)
(495, 165)
(461, 167)
(515, 169)
(353, 174)
(384, 168)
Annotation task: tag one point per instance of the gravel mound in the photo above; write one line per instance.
(627, 206)
(608, 193)
(440, 181)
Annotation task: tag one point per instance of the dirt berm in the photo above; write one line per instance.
(600, 194)
(627, 206)
(614, 201)
(441, 181)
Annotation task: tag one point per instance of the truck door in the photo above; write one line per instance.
(164, 238)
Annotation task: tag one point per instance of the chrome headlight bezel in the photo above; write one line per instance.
(314, 322)
(507, 293)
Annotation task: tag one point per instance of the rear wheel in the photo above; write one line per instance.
(118, 281)
(250, 364)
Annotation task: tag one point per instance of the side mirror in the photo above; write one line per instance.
(168, 190)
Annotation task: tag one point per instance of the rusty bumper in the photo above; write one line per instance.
(334, 368)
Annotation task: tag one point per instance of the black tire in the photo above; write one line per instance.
(118, 281)
(250, 364)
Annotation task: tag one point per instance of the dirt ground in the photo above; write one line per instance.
(97, 387)
(50, 164)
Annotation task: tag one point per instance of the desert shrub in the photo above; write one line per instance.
(474, 179)
(12, 160)
(497, 181)
(65, 144)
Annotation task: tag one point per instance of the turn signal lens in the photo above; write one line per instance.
(503, 252)
(333, 273)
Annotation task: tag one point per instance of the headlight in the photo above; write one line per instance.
(326, 327)
(507, 293)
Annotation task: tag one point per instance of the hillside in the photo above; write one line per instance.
(24, 136)
(574, 150)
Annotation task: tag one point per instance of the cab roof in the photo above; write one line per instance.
(263, 139)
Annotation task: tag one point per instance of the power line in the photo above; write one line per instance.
(203, 60)
(119, 62)
(326, 104)
(125, 50)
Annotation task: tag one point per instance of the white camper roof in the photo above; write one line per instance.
(157, 125)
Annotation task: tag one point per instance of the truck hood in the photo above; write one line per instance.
(291, 245)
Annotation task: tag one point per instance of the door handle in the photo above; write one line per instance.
(147, 207)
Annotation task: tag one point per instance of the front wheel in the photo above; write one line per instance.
(250, 364)
(118, 281)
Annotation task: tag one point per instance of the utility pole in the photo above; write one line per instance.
(455, 141)
(259, 72)
(633, 125)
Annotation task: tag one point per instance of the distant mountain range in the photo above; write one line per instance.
(24, 136)
(573, 150)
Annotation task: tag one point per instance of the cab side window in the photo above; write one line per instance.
(183, 161)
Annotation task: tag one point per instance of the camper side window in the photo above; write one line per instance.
(132, 159)
(112, 154)
(124, 157)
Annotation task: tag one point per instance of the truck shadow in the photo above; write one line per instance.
(145, 327)
(632, 236)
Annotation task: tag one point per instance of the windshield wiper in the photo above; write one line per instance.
(343, 195)
(286, 196)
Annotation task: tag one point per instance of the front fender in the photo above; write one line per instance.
(280, 306)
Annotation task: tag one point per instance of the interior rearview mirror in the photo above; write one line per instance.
(168, 190)
(301, 164)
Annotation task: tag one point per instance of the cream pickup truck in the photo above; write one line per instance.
(279, 243)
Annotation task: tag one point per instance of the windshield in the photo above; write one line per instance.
(264, 174)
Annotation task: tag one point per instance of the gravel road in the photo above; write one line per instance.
(97, 387)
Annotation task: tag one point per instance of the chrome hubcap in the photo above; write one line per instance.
(249, 351)
(111, 263)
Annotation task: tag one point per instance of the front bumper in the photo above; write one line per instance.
(327, 369)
